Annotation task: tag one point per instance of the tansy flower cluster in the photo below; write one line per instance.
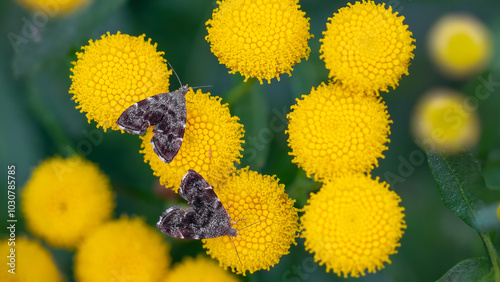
(199, 269)
(366, 47)
(442, 122)
(259, 38)
(338, 132)
(54, 8)
(60, 199)
(460, 45)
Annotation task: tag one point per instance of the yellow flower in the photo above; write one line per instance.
(211, 144)
(332, 131)
(353, 224)
(367, 47)
(114, 73)
(460, 45)
(200, 269)
(260, 205)
(443, 121)
(122, 250)
(259, 38)
(65, 200)
(54, 8)
(32, 262)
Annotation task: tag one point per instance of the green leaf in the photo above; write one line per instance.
(52, 40)
(462, 187)
(474, 269)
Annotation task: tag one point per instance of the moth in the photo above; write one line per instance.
(167, 112)
(205, 218)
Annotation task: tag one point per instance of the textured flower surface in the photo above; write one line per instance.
(60, 199)
(267, 219)
(115, 72)
(211, 144)
(32, 262)
(366, 47)
(259, 38)
(333, 132)
(353, 224)
(199, 269)
(54, 8)
(443, 121)
(122, 250)
(460, 45)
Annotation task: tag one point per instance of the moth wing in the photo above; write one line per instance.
(137, 118)
(169, 132)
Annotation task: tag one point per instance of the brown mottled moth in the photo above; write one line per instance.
(205, 218)
(167, 112)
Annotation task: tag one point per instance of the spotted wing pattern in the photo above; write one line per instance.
(167, 112)
(205, 217)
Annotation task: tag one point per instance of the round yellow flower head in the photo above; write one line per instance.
(267, 219)
(32, 262)
(54, 8)
(114, 73)
(460, 45)
(60, 199)
(259, 38)
(122, 250)
(200, 269)
(444, 121)
(332, 131)
(353, 224)
(367, 47)
(211, 144)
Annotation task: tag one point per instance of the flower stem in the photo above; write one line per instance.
(239, 91)
(495, 262)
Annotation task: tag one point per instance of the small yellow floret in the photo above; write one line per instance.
(54, 8)
(200, 269)
(353, 224)
(114, 73)
(259, 204)
(443, 120)
(332, 131)
(367, 47)
(259, 38)
(460, 45)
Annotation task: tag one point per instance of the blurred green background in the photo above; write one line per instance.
(38, 120)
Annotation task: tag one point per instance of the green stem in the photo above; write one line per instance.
(495, 262)
(239, 91)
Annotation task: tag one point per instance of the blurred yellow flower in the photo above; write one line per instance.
(367, 47)
(33, 263)
(460, 45)
(54, 8)
(212, 143)
(442, 120)
(122, 250)
(200, 269)
(353, 224)
(267, 219)
(65, 200)
(114, 73)
(332, 131)
(259, 38)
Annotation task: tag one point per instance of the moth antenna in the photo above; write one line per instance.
(231, 237)
(175, 73)
(249, 225)
(194, 87)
